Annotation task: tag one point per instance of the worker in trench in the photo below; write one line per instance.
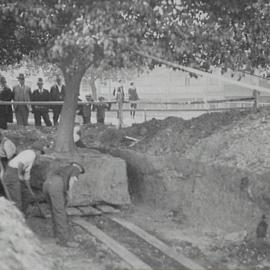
(57, 187)
(17, 175)
(7, 152)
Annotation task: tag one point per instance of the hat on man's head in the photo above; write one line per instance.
(79, 166)
(38, 146)
(21, 76)
(40, 81)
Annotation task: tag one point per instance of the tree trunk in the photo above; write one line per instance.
(93, 87)
(64, 138)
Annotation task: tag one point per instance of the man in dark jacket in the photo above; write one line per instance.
(56, 189)
(39, 111)
(100, 108)
(21, 92)
(57, 94)
(6, 114)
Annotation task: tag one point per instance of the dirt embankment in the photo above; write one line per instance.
(203, 169)
(207, 169)
(19, 247)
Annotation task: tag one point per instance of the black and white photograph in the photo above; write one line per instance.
(134, 134)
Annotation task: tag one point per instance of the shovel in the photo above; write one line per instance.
(42, 214)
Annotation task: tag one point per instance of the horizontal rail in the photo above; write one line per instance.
(128, 101)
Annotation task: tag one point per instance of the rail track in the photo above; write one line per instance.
(139, 249)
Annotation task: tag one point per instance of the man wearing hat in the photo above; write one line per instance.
(6, 114)
(41, 111)
(57, 187)
(18, 172)
(21, 92)
(57, 93)
(100, 108)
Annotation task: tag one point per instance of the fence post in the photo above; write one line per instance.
(256, 95)
(144, 112)
(120, 113)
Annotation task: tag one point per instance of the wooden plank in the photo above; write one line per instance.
(107, 209)
(117, 248)
(170, 252)
(73, 211)
(89, 211)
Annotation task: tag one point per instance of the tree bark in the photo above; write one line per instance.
(64, 143)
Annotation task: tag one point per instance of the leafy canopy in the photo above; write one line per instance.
(76, 34)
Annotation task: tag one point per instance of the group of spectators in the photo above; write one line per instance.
(22, 92)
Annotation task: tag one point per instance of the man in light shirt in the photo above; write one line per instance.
(18, 172)
(7, 150)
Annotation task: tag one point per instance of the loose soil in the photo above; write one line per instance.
(222, 148)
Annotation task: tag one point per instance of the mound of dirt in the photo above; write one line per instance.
(245, 145)
(175, 135)
(19, 247)
(211, 171)
(23, 137)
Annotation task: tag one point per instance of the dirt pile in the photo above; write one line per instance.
(203, 169)
(23, 137)
(159, 137)
(175, 135)
(104, 180)
(245, 145)
(19, 247)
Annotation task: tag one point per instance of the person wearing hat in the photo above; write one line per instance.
(57, 189)
(100, 108)
(21, 92)
(6, 114)
(57, 93)
(133, 98)
(41, 111)
(18, 171)
(85, 110)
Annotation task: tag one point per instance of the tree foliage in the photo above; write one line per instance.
(80, 34)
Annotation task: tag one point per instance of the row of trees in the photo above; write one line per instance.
(82, 35)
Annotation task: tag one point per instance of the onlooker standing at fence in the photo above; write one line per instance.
(57, 94)
(39, 111)
(101, 107)
(6, 114)
(120, 98)
(21, 92)
(85, 110)
(133, 96)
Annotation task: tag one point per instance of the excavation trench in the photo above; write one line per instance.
(200, 194)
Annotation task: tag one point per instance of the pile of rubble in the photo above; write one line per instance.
(19, 247)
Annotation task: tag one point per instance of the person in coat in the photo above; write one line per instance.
(85, 110)
(21, 92)
(57, 93)
(133, 97)
(41, 111)
(100, 108)
(6, 114)
(18, 173)
(57, 188)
